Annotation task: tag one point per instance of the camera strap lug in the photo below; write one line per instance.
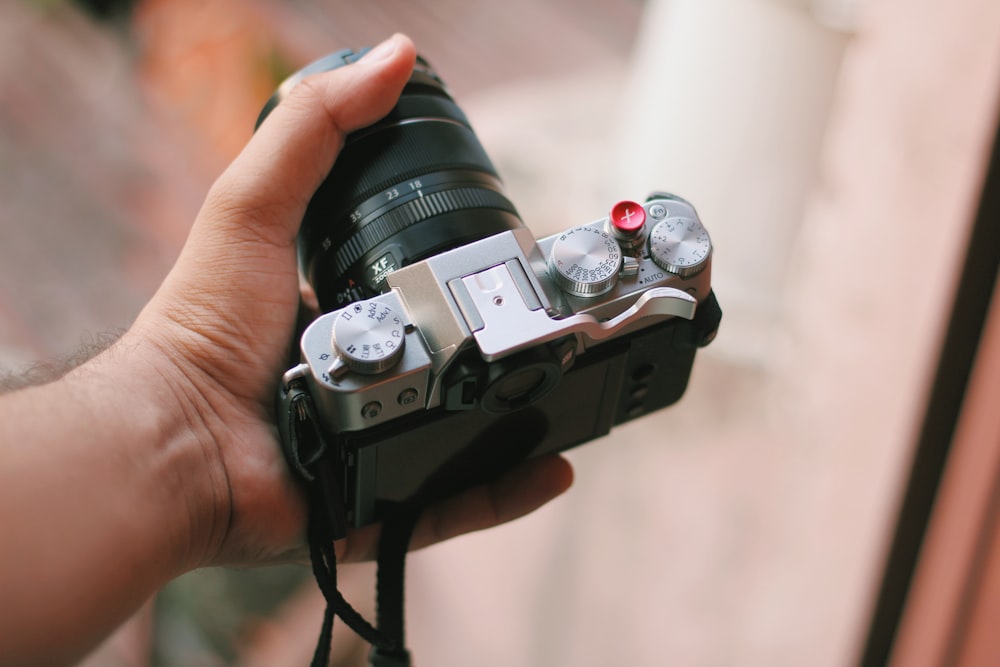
(294, 375)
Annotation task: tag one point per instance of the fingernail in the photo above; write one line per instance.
(380, 52)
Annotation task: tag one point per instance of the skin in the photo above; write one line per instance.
(160, 455)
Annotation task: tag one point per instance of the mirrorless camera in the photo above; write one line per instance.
(453, 344)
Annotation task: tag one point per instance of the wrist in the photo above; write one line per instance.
(162, 450)
(244, 506)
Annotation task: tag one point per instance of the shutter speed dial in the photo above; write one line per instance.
(368, 338)
(585, 261)
(680, 245)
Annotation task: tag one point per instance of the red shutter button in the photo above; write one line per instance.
(627, 218)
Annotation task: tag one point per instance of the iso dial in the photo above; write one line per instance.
(680, 245)
(585, 261)
(368, 338)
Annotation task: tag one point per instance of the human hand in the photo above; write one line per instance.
(217, 332)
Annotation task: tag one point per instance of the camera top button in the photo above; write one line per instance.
(628, 217)
(627, 224)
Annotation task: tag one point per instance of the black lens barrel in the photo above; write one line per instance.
(414, 184)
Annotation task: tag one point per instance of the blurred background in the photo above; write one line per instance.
(834, 149)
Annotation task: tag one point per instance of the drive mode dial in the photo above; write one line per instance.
(680, 245)
(368, 338)
(585, 261)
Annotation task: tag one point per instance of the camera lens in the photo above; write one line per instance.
(412, 185)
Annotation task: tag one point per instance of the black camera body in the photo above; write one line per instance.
(454, 345)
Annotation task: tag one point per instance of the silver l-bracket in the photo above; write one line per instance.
(509, 326)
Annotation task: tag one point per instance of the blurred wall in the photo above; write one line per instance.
(726, 104)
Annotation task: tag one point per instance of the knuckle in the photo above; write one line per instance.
(308, 95)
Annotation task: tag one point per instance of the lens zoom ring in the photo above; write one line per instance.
(412, 212)
(374, 162)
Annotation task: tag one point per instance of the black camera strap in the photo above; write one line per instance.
(305, 449)
(394, 543)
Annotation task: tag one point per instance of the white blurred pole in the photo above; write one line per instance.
(726, 105)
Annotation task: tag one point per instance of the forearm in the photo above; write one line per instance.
(99, 482)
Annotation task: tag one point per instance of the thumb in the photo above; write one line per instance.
(235, 284)
(264, 192)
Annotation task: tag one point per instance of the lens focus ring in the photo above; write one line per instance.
(414, 211)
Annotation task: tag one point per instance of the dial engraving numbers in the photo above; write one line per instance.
(585, 261)
(680, 245)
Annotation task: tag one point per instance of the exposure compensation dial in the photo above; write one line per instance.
(585, 261)
(680, 245)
